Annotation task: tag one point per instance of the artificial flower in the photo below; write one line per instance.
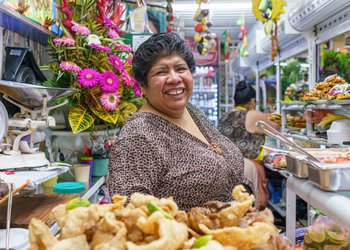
(128, 79)
(64, 40)
(70, 66)
(110, 100)
(123, 47)
(116, 62)
(81, 29)
(93, 39)
(88, 77)
(109, 81)
(101, 48)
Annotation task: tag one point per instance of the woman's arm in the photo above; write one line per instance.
(133, 166)
(253, 117)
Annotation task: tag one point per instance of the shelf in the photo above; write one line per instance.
(282, 172)
(319, 142)
(205, 91)
(22, 25)
(312, 106)
(279, 210)
(335, 205)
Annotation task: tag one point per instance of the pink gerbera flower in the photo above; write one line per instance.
(88, 77)
(128, 80)
(123, 47)
(57, 41)
(116, 62)
(81, 29)
(101, 48)
(70, 66)
(67, 41)
(110, 100)
(109, 81)
(137, 89)
(113, 34)
(129, 60)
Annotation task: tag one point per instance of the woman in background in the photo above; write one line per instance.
(239, 125)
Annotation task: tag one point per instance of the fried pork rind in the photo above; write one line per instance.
(171, 233)
(40, 236)
(110, 234)
(242, 238)
(219, 215)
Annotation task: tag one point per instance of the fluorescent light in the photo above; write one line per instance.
(212, 6)
(305, 65)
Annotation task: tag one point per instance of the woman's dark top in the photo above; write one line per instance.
(232, 125)
(154, 156)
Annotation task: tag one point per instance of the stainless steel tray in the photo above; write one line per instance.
(297, 165)
(329, 177)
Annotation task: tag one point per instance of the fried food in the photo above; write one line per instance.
(150, 223)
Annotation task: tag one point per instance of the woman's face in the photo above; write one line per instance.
(169, 85)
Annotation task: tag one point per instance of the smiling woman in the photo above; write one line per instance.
(169, 148)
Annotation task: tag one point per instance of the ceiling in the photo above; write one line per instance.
(223, 13)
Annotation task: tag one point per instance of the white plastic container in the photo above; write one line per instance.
(339, 132)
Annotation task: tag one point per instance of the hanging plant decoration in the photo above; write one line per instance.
(170, 16)
(242, 36)
(269, 12)
(204, 39)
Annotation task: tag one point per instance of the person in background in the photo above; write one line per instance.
(169, 147)
(239, 125)
(262, 89)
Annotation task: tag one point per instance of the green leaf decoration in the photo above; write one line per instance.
(106, 115)
(80, 119)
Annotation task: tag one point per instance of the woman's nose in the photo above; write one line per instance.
(174, 77)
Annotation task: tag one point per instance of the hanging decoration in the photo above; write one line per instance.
(204, 39)
(227, 39)
(170, 16)
(269, 11)
(242, 36)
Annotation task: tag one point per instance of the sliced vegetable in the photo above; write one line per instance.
(77, 202)
(202, 241)
(154, 208)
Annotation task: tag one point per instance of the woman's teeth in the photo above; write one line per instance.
(175, 91)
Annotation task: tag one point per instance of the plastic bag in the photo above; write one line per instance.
(325, 234)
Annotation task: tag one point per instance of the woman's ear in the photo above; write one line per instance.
(143, 91)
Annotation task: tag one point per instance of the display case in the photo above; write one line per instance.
(206, 91)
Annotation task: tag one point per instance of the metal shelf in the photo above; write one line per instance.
(282, 172)
(279, 210)
(319, 142)
(335, 205)
(22, 25)
(205, 91)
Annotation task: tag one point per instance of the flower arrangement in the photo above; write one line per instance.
(91, 57)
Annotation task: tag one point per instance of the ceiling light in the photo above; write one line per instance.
(212, 6)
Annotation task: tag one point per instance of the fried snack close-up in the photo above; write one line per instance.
(149, 223)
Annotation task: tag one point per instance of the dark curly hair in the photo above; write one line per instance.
(243, 93)
(159, 45)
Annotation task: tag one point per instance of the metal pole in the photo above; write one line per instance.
(257, 86)
(278, 86)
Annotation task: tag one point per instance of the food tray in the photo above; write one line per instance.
(297, 166)
(329, 177)
(341, 102)
(318, 102)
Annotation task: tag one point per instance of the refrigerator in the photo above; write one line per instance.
(206, 82)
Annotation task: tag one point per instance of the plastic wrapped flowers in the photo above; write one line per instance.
(91, 57)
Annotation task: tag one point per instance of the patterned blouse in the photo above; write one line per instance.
(232, 125)
(154, 156)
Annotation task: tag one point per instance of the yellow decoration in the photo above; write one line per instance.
(277, 9)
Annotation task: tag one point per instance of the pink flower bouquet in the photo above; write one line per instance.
(91, 57)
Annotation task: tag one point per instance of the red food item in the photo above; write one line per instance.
(198, 28)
